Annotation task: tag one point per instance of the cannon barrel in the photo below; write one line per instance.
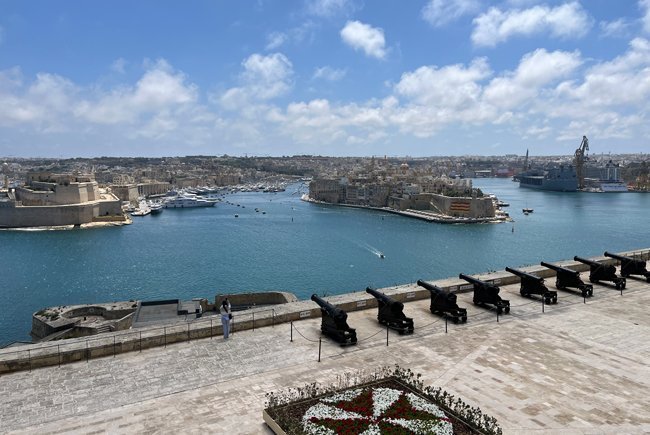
(432, 288)
(332, 310)
(472, 279)
(382, 297)
(623, 258)
(559, 268)
(616, 256)
(522, 274)
(586, 261)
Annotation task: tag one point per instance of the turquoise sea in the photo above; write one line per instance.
(299, 247)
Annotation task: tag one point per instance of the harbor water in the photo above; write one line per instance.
(299, 247)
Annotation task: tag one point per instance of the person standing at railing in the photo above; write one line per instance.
(226, 317)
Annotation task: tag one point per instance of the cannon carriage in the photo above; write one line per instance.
(567, 278)
(334, 322)
(534, 285)
(487, 294)
(602, 272)
(630, 266)
(391, 313)
(444, 303)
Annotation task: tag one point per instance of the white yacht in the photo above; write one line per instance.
(189, 201)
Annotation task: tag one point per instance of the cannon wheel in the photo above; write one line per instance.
(499, 310)
(507, 309)
(555, 299)
(619, 285)
(591, 292)
(547, 301)
(455, 319)
(558, 285)
(464, 319)
(523, 293)
(593, 280)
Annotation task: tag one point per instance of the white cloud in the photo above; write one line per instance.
(160, 88)
(451, 86)
(276, 40)
(441, 12)
(535, 70)
(329, 73)
(118, 65)
(645, 8)
(616, 28)
(364, 37)
(328, 8)
(263, 78)
(568, 20)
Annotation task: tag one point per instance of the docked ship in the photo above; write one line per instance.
(188, 201)
(561, 178)
(604, 179)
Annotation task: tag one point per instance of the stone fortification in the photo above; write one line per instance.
(58, 200)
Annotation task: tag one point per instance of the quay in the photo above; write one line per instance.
(581, 366)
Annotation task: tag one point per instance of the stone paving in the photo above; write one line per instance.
(575, 369)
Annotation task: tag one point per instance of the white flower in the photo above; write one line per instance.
(382, 399)
(345, 395)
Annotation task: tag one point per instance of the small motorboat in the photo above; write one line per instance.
(381, 255)
(527, 210)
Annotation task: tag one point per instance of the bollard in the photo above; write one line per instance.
(319, 343)
(584, 298)
(497, 316)
(291, 340)
(542, 304)
(386, 335)
(445, 323)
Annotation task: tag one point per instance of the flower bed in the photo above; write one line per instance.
(384, 402)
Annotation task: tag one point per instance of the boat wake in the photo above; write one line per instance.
(371, 249)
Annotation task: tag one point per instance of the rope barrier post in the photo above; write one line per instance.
(113, 346)
(542, 304)
(497, 315)
(445, 323)
(386, 335)
(319, 344)
(140, 341)
(29, 357)
(291, 340)
(584, 297)
(165, 335)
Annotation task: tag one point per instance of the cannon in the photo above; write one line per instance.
(486, 293)
(335, 322)
(444, 303)
(602, 272)
(566, 278)
(630, 266)
(534, 285)
(391, 314)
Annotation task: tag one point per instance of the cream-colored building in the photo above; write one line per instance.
(57, 199)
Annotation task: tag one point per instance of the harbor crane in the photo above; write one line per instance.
(579, 161)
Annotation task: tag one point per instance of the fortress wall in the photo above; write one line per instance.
(46, 216)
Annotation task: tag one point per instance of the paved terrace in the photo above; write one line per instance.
(575, 369)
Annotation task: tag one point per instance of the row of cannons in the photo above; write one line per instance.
(334, 320)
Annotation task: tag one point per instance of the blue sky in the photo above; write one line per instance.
(326, 77)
